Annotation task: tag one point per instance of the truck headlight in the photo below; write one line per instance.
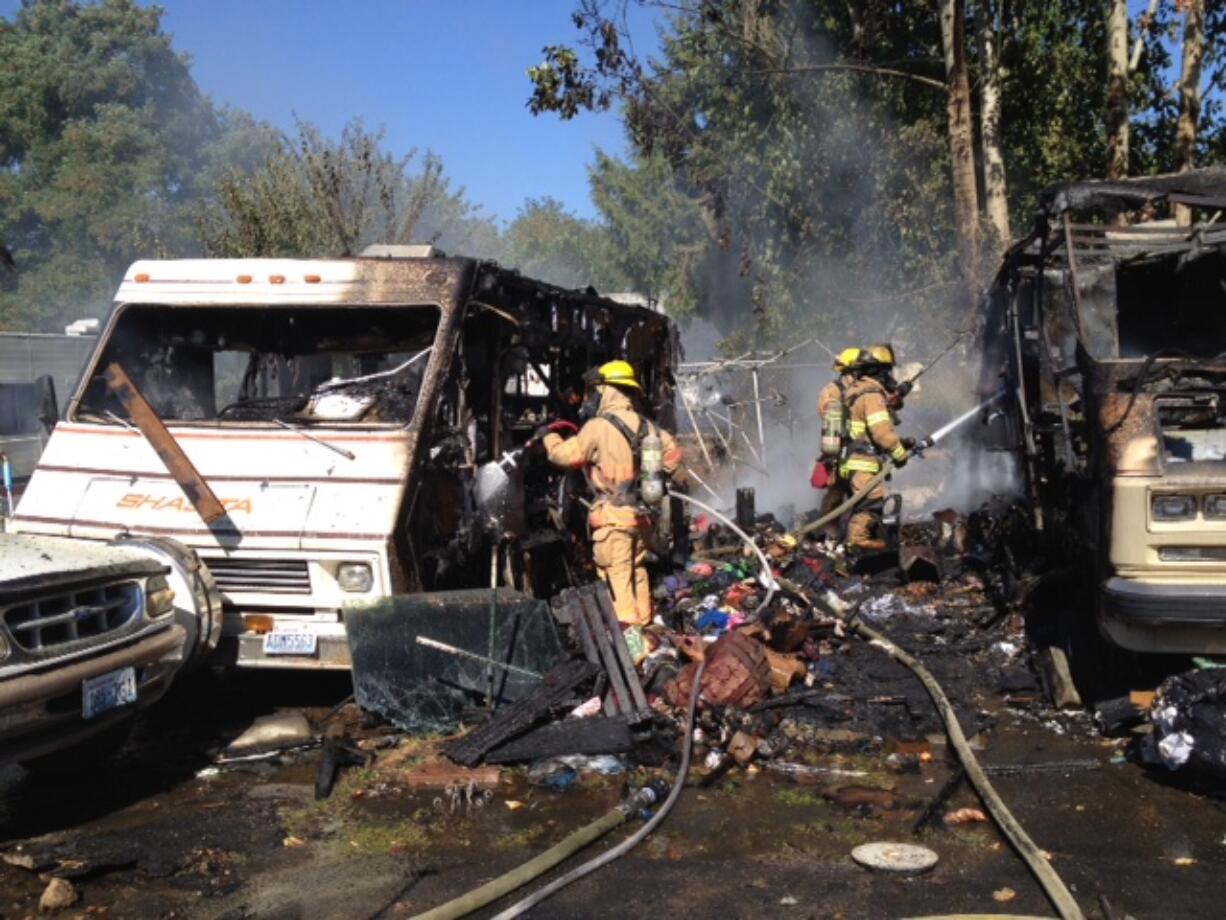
(355, 577)
(159, 597)
(1173, 507)
(1215, 507)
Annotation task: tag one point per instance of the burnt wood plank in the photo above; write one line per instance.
(555, 688)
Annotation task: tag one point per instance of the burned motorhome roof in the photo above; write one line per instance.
(1073, 219)
(1197, 188)
(371, 281)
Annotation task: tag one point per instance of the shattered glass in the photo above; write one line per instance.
(424, 689)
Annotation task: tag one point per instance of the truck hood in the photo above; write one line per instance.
(29, 562)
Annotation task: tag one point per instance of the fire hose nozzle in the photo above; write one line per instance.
(655, 791)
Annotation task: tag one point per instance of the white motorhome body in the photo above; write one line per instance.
(338, 409)
(304, 508)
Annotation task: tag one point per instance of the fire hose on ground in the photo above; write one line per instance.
(1047, 877)
(1053, 886)
(491, 891)
(535, 868)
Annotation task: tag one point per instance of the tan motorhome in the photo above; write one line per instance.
(339, 410)
(1109, 323)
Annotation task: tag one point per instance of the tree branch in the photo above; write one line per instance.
(859, 68)
(1143, 26)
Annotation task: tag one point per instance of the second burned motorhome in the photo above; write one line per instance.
(1109, 324)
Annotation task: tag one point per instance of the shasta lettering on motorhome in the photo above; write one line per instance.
(133, 500)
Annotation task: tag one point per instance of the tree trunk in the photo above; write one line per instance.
(1117, 90)
(994, 186)
(961, 143)
(1189, 97)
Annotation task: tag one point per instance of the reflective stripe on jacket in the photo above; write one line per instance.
(870, 427)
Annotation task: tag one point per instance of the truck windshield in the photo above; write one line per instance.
(300, 365)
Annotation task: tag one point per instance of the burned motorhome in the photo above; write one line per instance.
(359, 424)
(1109, 322)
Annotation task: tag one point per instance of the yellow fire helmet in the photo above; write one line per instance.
(618, 373)
(881, 353)
(846, 358)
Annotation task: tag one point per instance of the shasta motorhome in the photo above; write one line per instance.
(340, 411)
(1109, 322)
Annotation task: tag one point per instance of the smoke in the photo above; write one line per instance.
(878, 267)
(961, 473)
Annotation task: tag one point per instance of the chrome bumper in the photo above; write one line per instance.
(1187, 619)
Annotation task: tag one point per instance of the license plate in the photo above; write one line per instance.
(108, 691)
(289, 643)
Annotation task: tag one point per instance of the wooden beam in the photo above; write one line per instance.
(163, 442)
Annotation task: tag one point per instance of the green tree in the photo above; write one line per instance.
(809, 172)
(548, 242)
(315, 196)
(105, 144)
(811, 138)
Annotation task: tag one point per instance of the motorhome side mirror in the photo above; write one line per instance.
(48, 407)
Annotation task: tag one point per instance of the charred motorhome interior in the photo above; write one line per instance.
(1108, 328)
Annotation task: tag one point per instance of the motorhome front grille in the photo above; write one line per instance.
(58, 620)
(260, 576)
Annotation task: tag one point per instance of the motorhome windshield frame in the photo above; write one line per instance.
(423, 351)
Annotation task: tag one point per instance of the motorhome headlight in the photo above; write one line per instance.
(1173, 507)
(355, 577)
(1215, 507)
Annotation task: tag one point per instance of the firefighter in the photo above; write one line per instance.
(609, 448)
(831, 404)
(870, 438)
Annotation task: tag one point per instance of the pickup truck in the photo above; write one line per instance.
(87, 638)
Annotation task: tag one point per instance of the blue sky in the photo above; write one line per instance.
(442, 76)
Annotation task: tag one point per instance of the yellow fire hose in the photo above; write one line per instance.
(1053, 886)
(886, 468)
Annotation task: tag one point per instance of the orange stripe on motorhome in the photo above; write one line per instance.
(69, 428)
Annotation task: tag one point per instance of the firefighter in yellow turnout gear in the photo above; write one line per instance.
(831, 408)
(870, 438)
(608, 448)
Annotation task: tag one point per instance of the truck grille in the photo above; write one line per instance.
(263, 576)
(62, 619)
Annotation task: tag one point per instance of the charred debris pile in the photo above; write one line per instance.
(785, 686)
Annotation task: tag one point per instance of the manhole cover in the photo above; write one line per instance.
(895, 857)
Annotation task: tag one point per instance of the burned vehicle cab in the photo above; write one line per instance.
(1113, 337)
(87, 636)
(340, 410)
